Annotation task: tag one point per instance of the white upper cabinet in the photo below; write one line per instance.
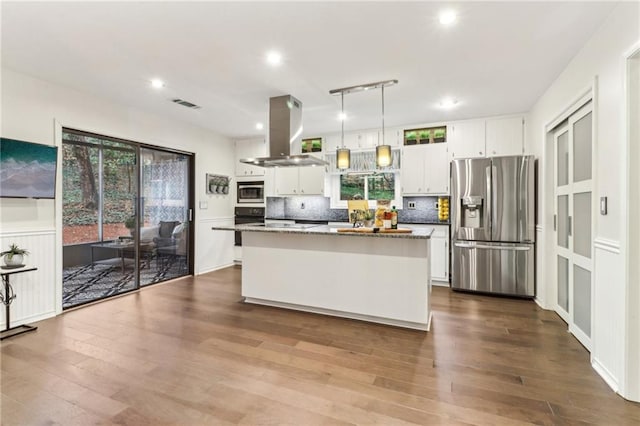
(286, 180)
(412, 166)
(311, 180)
(393, 136)
(505, 136)
(425, 169)
(467, 139)
(250, 148)
(299, 180)
(436, 168)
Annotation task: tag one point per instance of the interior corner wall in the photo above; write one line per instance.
(601, 59)
(30, 107)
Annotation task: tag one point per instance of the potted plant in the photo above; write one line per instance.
(439, 135)
(14, 256)
(410, 138)
(424, 136)
(130, 223)
(368, 218)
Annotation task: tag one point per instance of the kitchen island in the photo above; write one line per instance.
(383, 278)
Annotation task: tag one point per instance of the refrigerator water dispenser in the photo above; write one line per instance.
(472, 212)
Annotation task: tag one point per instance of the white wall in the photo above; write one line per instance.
(33, 110)
(601, 60)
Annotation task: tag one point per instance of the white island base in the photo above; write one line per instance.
(376, 279)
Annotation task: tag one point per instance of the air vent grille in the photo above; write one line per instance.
(185, 103)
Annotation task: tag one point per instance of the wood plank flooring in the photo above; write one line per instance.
(188, 352)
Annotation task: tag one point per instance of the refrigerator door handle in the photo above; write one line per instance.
(490, 209)
(488, 247)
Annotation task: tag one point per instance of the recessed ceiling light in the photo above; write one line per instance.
(274, 58)
(156, 83)
(448, 17)
(342, 116)
(448, 103)
(259, 126)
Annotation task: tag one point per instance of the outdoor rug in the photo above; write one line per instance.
(82, 284)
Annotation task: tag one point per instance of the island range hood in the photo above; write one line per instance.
(285, 130)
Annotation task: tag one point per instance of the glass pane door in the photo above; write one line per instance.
(164, 243)
(99, 193)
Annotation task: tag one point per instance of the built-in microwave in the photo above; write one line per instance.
(251, 192)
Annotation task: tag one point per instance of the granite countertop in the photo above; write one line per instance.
(320, 230)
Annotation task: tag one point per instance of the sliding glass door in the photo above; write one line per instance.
(165, 210)
(126, 216)
(99, 196)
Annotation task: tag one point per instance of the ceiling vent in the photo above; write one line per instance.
(185, 103)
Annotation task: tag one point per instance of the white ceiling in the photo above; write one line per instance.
(497, 59)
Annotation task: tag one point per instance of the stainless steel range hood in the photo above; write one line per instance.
(285, 130)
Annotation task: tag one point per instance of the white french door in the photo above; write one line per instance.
(573, 190)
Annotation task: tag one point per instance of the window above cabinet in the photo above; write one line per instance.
(311, 145)
(425, 135)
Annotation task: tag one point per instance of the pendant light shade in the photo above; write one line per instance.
(383, 152)
(343, 154)
(383, 155)
(343, 158)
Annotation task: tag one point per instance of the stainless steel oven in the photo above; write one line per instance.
(251, 192)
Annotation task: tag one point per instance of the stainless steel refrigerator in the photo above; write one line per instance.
(493, 225)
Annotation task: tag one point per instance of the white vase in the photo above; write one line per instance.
(14, 260)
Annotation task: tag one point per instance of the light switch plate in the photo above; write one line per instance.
(204, 205)
(603, 206)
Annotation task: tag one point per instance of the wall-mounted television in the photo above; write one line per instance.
(27, 170)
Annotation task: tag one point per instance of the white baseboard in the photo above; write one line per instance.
(216, 268)
(605, 374)
(342, 314)
(30, 319)
(440, 283)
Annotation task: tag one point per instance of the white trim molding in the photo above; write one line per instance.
(539, 228)
(27, 232)
(605, 374)
(611, 246)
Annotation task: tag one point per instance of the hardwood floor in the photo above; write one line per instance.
(188, 352)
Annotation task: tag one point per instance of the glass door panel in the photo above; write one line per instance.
(563, 221)
(582, 149)
(582, 222)
(164, 205)
(99, 192)
(563, 159)
(582, 299)
(563, 283)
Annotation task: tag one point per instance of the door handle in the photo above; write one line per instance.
(190, 215)
(483, 246)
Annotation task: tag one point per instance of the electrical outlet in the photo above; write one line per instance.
(411, 205)
(302, 205)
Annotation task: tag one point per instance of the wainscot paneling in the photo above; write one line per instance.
(35, 290)
(608, 312)
(214, 249)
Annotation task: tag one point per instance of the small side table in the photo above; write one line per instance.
(7, 298)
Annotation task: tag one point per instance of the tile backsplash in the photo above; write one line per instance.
(318, 208)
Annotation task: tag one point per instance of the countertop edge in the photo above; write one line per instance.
(419, 235)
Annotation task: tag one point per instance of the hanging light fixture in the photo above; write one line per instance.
(383, 152)
(343, 154)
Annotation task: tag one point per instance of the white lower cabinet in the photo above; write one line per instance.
(439, 252)
(299, 181)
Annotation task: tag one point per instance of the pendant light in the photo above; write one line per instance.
(383, 152)
(343, 154)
